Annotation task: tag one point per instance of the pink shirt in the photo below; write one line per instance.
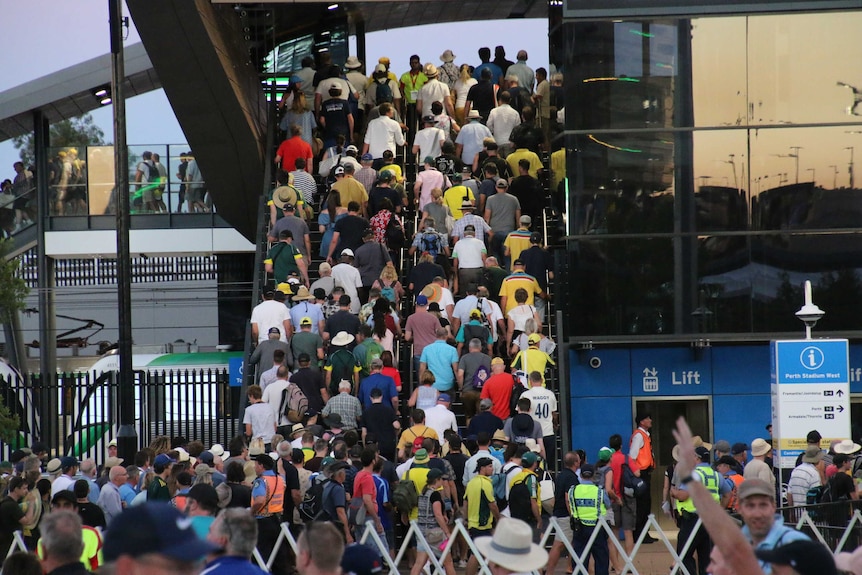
(422, 326)
(430, 179)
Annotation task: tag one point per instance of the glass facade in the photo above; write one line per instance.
(710, 166)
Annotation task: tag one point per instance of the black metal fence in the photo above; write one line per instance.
(76, 414)
(831, 520)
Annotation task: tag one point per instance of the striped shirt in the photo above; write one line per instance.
(470, 220)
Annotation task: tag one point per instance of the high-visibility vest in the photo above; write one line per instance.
(737, 480)
(711, 479)
(645, 458)
(274, 495)
(587, 503)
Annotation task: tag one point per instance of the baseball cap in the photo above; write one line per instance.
(434, 473)
(486, 403)
(527, 220)
(274, 330)
(475, 314)
(206, 457)
(702, 453)
(605, 454)
(155, 528)
(534, 338)
(366, 157)
(501, 183)
(163, 459)
(444, 397)
(587, 470)
(305, 321)
(738, 448)
(482, 462)
(351, 148)
(68, 462)
(530, 458)
(359, 559)
(428, 160)
(498, 361)
(339, 171)
(722, 445)
(518, 262)
(347, 252)
(421, 299)
(429, 119)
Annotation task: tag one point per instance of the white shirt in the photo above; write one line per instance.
(62, 482)
(461, 90)
(440, 418)
(429, 141)
(267, 314)
(467, 304)
(446, 300)
(323, 88)
(470, 465)
(471, 137)
(272, 396)
(637, 442)
(469, 252)
(348, 277)
(496, 315)
(433, 91)
(543, 403)
(501, 121)
(262, 421)
(383, 134)
(802, 479)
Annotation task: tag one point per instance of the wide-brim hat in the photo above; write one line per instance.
(474, 115)
(284, 195)
(499, 435)
(352, 63)
(512, 547)
(761, 447)
(812, 455)
(113, 462)
(430, 70)
(342, 338)
(302, 294)
(847, 447)
(297, 428)
(447, 56)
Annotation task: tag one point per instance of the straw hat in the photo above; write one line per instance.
(512, 547)
(847, 447)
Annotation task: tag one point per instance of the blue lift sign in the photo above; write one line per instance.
(812, 361)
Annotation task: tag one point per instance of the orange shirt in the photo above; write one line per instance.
(499, 389)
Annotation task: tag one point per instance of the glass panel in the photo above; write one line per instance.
(623, 287)
(177, 165)
(100, 180)
(718, 71)
(628, 184)
(67, 181)
(19, 197)
(801, 178)
(147, 178)
(801, 68)
(720, 180)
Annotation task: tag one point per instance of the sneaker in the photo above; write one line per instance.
(461, 564)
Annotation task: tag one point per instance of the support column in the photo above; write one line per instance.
(127, 436)
(47, 329)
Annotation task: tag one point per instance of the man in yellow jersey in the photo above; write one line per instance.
(480, 506)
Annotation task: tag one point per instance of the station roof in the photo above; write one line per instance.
(70, 92)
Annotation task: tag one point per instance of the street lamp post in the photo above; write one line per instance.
(850, 165)
(834, 176)
(796, 155)
(813, 177)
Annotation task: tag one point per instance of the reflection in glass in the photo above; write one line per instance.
(623, 287)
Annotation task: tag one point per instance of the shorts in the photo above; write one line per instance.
(147, 193)
(470, 399)
(625, 515)
(565, 530)
(479, 533)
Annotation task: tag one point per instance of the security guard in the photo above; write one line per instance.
(586, 502)
(720, 491)
(267, 505)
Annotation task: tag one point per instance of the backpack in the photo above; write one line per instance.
(479, 332)
(152, 174)
(480, 377)
(404, 496)
(388, 292)
(294, 404)
(311, 507)
(431, 243)
(519, 502)
(356, 512)
(394, 235)
(498, 481)
(519, 378)
(383, 93)
(373, 351)
(633, 486)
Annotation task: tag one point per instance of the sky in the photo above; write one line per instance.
(72, 32)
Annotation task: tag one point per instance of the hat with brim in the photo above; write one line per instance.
(54, 466)
(447, 56)
(760, 447)
(421, 456)
(675, 453)
(342, 338)
(113, 462)
(433, 292)
(499, 435)
(217, 449)
(302, 294)
(297, 428)
(512, 547)
(532, 445)
(284, 195)
(333, 421)
(352, 63)
(812, 455)
(699, 442)
(847, 447)
(474, 115)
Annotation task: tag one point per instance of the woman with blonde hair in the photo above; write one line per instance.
(297, 115)
(438, 211)
(425, 396)
(389, 279)
(459, 92)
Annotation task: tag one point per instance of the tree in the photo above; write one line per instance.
(13, 291)
(80, 131)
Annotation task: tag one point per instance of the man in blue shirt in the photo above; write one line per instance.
(764, 528)
(377, 380)
(442, 360)
(235, 531)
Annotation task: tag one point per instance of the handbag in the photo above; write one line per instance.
(575, 522)
(546, 486)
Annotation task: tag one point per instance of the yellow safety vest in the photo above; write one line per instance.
(710, 479)
(587, 502)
